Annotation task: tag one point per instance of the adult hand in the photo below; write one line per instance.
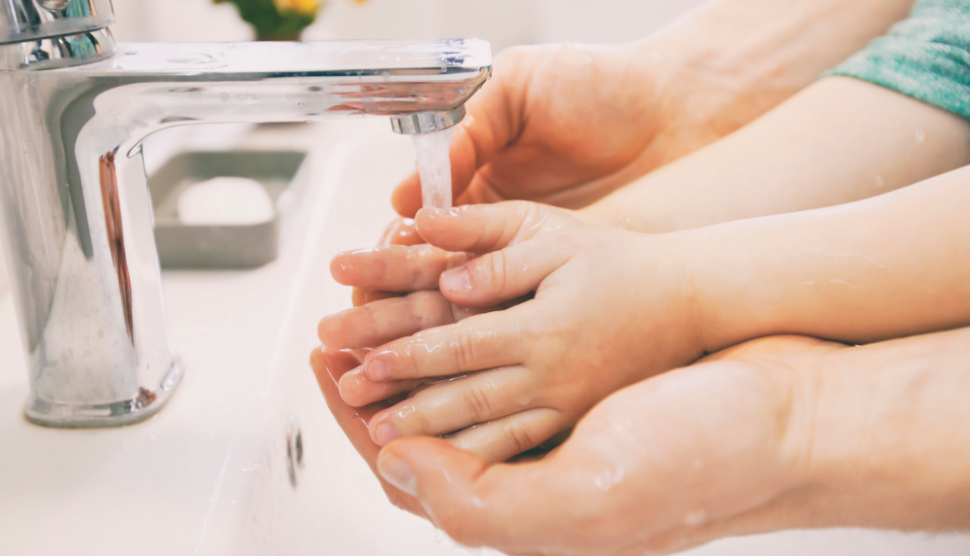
(773, 434)
(560, 124)
(662, 465)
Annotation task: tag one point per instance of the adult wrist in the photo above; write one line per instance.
(890, 436)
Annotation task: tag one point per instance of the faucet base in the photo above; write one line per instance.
(116, 414)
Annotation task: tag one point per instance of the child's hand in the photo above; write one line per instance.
(396, 284)
(610, 308)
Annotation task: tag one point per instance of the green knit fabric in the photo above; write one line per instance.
(926, 56)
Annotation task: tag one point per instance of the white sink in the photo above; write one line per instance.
(209, 475)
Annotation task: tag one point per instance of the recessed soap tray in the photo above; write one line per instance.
(205, 246)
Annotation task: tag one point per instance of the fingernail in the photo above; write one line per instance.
(398, 473)
(377, 371)
(457, 279)
(386, 433)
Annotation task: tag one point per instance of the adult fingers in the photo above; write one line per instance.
(516, 507)
(356, 390)
(394, 268)
(456, 404)
(492, 120)
(480, 342)
(385, 320)
(401, 231)
(507, 273)
(363, 296)
(328, 368)
(487, 227)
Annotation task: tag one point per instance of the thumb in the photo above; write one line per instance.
(504, 506)
(506, 274)
(486, 129)
(484, 228)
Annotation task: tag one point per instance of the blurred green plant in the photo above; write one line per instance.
(277, 20)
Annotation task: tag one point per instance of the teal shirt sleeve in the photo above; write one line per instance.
(926, 56)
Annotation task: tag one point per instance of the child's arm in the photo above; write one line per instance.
(889, 266)
(838, 141)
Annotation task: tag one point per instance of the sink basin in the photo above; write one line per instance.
(215, 472)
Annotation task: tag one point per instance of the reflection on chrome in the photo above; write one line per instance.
(77, 217)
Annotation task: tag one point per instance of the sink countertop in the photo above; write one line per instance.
(207, 475)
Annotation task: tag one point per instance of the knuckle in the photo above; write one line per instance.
(424, 264)
(476, 403)
(411, 419)
(520, 436)
(429, 309)
(493, 272)
(466, 347)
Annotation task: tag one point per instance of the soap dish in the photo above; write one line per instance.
(226, 246)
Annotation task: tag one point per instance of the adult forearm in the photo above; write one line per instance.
(886, 267)
(733, 60)
(876, 436)
(892, 436)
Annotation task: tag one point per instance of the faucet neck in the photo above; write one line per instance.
(33, 20)
(57, 52)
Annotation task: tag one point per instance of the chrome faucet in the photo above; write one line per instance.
(76, 212)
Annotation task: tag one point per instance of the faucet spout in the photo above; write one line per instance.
(76, 214)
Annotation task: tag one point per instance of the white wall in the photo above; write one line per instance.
(503, 22)
(606, 21)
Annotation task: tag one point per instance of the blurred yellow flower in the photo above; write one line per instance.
(305, 7)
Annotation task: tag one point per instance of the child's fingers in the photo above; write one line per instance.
(505, 274)
(510, 436)
(385, 320)
(328, 368)
(480, 342)
(484, 228)
(453, 405)
(394, 268)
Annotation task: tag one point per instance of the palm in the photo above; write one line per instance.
(586, 113)
(563, 125)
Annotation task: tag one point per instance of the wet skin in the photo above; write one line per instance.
(391, 315)
(613, 307)
(777, 433)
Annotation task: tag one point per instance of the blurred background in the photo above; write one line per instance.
(502, 22)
